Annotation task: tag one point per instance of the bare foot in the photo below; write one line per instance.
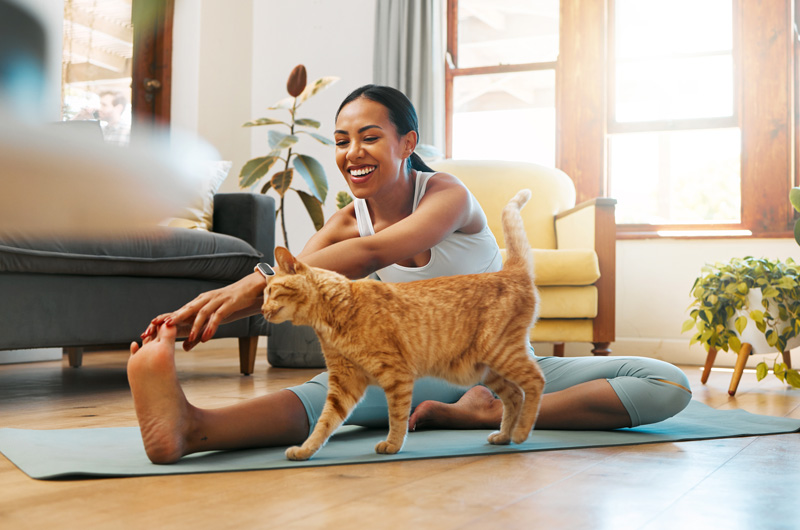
(477, 409)
(161, 406)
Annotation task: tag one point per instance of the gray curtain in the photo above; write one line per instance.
(409, 56)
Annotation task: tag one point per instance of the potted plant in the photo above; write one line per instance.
(292, 346)
(732, 297)
(285, 159)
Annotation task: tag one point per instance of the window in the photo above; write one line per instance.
(683, 111)
(105, 75)
(500, 84)
(674, 140)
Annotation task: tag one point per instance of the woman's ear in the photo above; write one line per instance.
(410, 140)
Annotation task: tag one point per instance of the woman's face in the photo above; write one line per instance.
(369, 152)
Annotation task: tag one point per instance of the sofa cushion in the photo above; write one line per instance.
(162, 252)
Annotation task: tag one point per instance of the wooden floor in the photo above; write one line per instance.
(733, 483)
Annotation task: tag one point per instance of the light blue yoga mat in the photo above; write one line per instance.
(118, 452)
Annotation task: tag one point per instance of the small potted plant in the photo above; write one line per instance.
(285, 158)
(292, 346)
(731, 298)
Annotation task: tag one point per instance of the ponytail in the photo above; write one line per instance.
(416, 162)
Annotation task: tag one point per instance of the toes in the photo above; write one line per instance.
(387, 448)
(499, 438)
(298, 453)
(134, 348)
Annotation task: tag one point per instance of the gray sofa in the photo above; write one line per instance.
(80, 294)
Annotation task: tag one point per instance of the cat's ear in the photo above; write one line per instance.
(286, 262)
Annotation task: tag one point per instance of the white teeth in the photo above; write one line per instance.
(361, 172)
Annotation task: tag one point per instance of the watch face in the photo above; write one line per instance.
(265, 269)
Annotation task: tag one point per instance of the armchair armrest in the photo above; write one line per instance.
(591, 225)
(248, 216)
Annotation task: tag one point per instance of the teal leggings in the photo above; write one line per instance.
(650, 390)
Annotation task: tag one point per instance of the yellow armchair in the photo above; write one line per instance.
(574, 247)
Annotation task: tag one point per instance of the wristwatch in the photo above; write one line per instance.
(265, 270)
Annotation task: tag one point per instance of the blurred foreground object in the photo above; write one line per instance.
(65, 181)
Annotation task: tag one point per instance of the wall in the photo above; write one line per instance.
(330, 39)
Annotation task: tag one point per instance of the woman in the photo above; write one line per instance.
(407, 222)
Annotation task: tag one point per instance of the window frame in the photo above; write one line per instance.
(765, 55)
(452, 71)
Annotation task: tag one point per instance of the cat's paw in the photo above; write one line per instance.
(387, 448)
(499, 438)
(298, 453)
(519, 436)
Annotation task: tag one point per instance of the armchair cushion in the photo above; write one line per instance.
(564, 267)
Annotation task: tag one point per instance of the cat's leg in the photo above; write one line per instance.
(511, 397)
(399, 389)
(346, 387)
(518, 367)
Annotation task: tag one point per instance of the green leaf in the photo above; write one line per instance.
(793, 378)
(772, 337)
(315, 87)
(687, 324)
(313, 207)
(318, 137)
(742, 287)
(285, 103)
(282, 180)
(279, 140)
(735, 343)
(314, 175)
(779, 369)
(740, 324)
(255, 169)
(343, 199)
(266, 187)
(794, 198)
(306, 122)
(757, 315)
(797, 231)
(264, 121)
(769, 292)
(761, 370)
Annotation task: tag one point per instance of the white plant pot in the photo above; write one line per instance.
(751, 334)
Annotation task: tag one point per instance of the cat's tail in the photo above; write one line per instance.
(518, 249)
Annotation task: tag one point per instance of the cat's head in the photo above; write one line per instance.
(297, 292)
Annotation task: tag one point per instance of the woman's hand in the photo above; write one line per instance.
(199, 320)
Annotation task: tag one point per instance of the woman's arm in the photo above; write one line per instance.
(446, 207)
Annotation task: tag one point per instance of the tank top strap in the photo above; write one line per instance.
(363, 220)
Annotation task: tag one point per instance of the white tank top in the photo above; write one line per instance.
(456, 254)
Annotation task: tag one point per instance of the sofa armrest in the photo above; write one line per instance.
(583, 225)
(248, 216)
(591, 225)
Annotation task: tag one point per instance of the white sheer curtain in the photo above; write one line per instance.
(409, 56)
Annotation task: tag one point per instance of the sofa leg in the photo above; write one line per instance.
(247, 354)
(558, 349)
(75, 356)
(601, 348)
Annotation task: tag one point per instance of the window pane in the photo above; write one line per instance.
(670, 65)
(507, 32)
(97, 61)
(679, 177)
(505, 117)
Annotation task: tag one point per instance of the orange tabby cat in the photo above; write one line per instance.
(465, 329)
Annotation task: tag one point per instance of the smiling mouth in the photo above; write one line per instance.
(362, 171)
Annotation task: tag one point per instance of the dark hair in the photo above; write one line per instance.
(401, 114)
